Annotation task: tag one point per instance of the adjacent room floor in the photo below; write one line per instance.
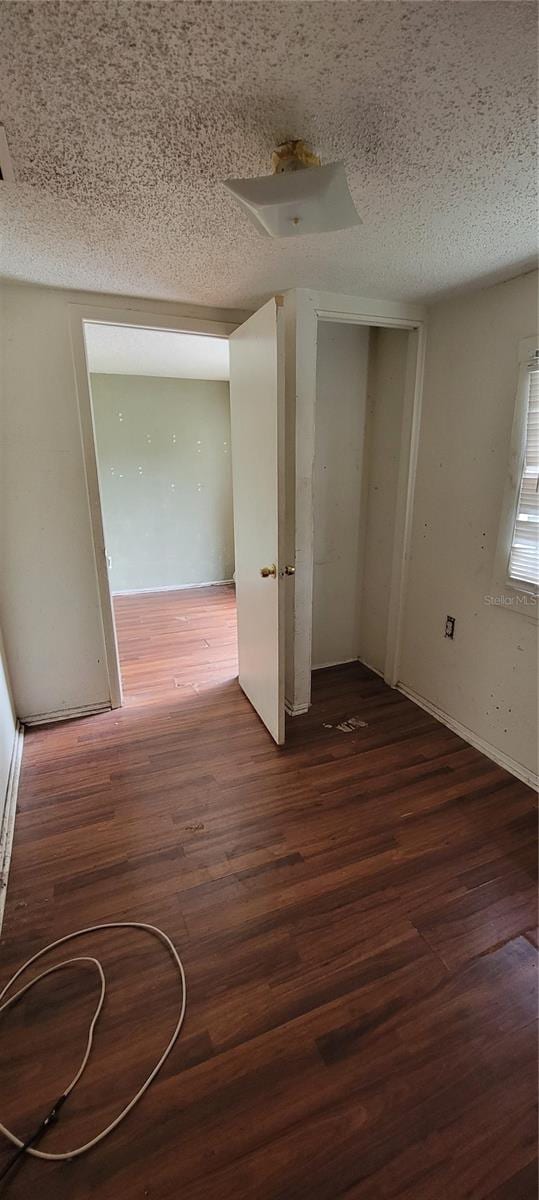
(176, 645)
(354, 912)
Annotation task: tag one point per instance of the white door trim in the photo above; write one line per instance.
(8, 810)
(139, 318)
(404, 501)
(311, 308)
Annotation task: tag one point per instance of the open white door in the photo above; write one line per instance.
(257, 417)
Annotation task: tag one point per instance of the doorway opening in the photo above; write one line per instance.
(360, 410)
(256, 452)
(160, 410)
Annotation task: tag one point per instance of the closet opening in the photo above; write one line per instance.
(362, 374)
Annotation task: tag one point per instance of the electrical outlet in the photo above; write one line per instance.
(450, 627)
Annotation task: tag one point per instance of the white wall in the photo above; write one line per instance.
(386, 386)
(48, 589)
(341, 400)
(164, 461)
(7, 727)
(487, 677)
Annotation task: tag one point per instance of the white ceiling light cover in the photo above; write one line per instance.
(312, 200)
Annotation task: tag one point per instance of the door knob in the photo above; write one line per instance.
(290, 570)
(266, 571)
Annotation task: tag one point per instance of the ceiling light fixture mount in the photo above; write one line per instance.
(301, 196)
(293, 156)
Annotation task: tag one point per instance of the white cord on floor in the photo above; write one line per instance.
(12, 1137)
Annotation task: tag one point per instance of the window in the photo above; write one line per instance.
(524, 550)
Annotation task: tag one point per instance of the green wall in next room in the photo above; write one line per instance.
(163, 449)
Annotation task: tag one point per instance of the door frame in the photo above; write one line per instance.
(310, 308)
(138, 318)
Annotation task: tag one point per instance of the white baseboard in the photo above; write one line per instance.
(295, 710)
(7, 825)
(498, 756)
(172, 587)
(343, 662)
(66, 714)
(370, 667)
(340, 662)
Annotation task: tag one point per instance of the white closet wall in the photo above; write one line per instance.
(387, 378)
(341, 404)
(361, 378)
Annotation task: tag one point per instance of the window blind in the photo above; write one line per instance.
(524, 556)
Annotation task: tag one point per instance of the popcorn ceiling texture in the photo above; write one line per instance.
(124, 118)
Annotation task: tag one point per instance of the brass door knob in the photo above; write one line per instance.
(267, 571)
(290, 570)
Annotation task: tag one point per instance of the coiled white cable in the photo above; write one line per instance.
(152, 929)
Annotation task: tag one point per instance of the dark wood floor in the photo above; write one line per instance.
(355, 913)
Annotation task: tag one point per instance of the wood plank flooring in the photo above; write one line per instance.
(355, 911)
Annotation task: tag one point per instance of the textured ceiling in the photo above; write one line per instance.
(121, 350)
(123, 118)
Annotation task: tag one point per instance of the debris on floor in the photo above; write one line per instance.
(351, 724)
(193, 828)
